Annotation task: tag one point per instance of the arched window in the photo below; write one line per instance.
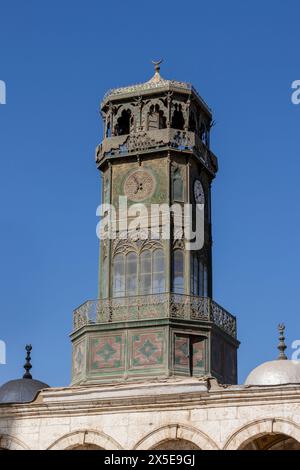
(194, 275)
(192, 123)
(145, 272)
(123, 123)
(139, 275)
(152, 272)
(177, 119)
(158, 272)
(205, 281)
(204, 135)
(177, 186)
(199, 277)
(156, 118)
(108, 130)
(104, 279)
(178, 272)
(131, 274)
(119, 276)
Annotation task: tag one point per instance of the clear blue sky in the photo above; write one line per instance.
(58, 58)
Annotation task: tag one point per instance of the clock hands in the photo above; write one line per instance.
(139, 185)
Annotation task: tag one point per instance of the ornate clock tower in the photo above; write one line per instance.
(155, 316)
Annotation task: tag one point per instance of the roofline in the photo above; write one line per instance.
(186, 88)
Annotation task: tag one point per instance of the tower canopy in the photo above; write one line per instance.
(156, 84)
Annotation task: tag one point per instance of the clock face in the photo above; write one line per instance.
(199, 192)
(139, 185)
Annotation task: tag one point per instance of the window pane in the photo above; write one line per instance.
(158, 274)
(192, 275)
(131, 273)
(104, 278)
(178, 272)
(131, 286)
(158, 261)
(205, 282)
(158, 283)
(131, 263)
(145, 284)
(201, 293)
(195, 273)
(146, 262)
(118, 276)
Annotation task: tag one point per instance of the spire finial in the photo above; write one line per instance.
(157, 65)
(281, 345)
(27, 365)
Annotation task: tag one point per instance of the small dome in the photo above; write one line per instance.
(20, 391)
(278, 372)
(275, 373)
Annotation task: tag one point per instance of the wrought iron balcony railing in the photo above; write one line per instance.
(154, 306)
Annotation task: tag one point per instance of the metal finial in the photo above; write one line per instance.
(157, 65)
(281, 345)
(27, 365)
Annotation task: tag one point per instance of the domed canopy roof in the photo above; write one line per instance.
(22, 390)
(275, 373)
(278, 372)
(156, 83)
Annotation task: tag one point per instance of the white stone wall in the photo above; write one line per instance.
(143, 416)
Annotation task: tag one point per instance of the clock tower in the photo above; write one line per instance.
(155, 316)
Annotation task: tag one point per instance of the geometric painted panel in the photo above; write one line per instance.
(198, 352)
(78, 358)
(106, 352)
(182, 353)
(147, 349)
(189, 354)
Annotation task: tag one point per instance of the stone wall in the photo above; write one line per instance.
(191, 413)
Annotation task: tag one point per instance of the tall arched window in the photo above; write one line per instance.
(108, 130)
(156, 118)
(205, 281)
(178, 272)
(194, 275)
(192, 123)
(131, 274)
(145, 272)
(119, 276)
(158, 272)
(177, 118)
(139, 275)
(104, 279)
(152, 272)
(199, 277)
(177, 186)
(123, 123)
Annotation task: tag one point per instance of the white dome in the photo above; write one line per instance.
(275, 373)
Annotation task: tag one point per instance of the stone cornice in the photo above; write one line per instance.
(171, 394)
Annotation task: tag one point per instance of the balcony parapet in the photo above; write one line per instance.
(159, 139)
(154, 306)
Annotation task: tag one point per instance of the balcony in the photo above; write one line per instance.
(155, 306)
(159, 139)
